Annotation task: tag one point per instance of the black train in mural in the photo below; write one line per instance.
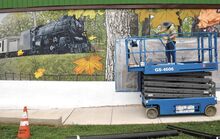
(66, 35)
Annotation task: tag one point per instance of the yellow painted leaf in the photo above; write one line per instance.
(165, 15)
(92, 38)
(20, 53)
(189, 13)
(90, 13)
(77, 13)
(39, 73)
(143, 14)
(100, 12)
(70, 12)
(88, 65)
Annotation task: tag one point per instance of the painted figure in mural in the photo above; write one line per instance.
(170, 38)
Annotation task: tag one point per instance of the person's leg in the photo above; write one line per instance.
(173, 53)
(168, 53)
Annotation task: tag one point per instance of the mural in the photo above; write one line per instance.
(52, 45)
(80, 44)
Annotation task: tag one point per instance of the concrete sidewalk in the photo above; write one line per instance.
(133, 114)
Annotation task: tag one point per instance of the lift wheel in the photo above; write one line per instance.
(210, 110)
(152, 113)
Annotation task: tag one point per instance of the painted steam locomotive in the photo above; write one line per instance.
(66, 35)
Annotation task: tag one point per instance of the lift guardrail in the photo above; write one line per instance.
(204, 49)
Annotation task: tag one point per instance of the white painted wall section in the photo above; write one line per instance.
(47, 94)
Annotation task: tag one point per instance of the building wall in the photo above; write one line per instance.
(46, 95)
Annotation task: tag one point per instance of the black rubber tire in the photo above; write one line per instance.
(152, 113)
(210, 110)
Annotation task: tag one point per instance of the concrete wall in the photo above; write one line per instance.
(46, 95)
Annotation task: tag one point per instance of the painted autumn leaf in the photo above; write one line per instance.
(100, 12)
(189, 13)
(165, 15)
(143, 14)
(20, 53)
(77, 13)
(39, 73)
(88, 65)
(208, 17)
(92, 38)
(89, 13)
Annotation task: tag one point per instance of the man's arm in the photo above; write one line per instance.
(173, 36)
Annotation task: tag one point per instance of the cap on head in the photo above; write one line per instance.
(167, 24)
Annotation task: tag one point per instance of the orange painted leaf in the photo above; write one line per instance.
(95, 60)
(208, 17)
(88, 65)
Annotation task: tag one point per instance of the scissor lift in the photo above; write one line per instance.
(175, 88)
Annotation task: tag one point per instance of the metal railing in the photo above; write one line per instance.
(52, 77)
(199, 47)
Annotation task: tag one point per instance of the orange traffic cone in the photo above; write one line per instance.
(24, 130)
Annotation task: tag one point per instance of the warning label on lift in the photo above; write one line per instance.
(185, 109)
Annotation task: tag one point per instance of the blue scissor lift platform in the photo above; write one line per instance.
(181, 87)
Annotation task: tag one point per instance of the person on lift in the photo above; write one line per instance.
(170, 38)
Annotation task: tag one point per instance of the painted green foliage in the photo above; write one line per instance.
(14, 23)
